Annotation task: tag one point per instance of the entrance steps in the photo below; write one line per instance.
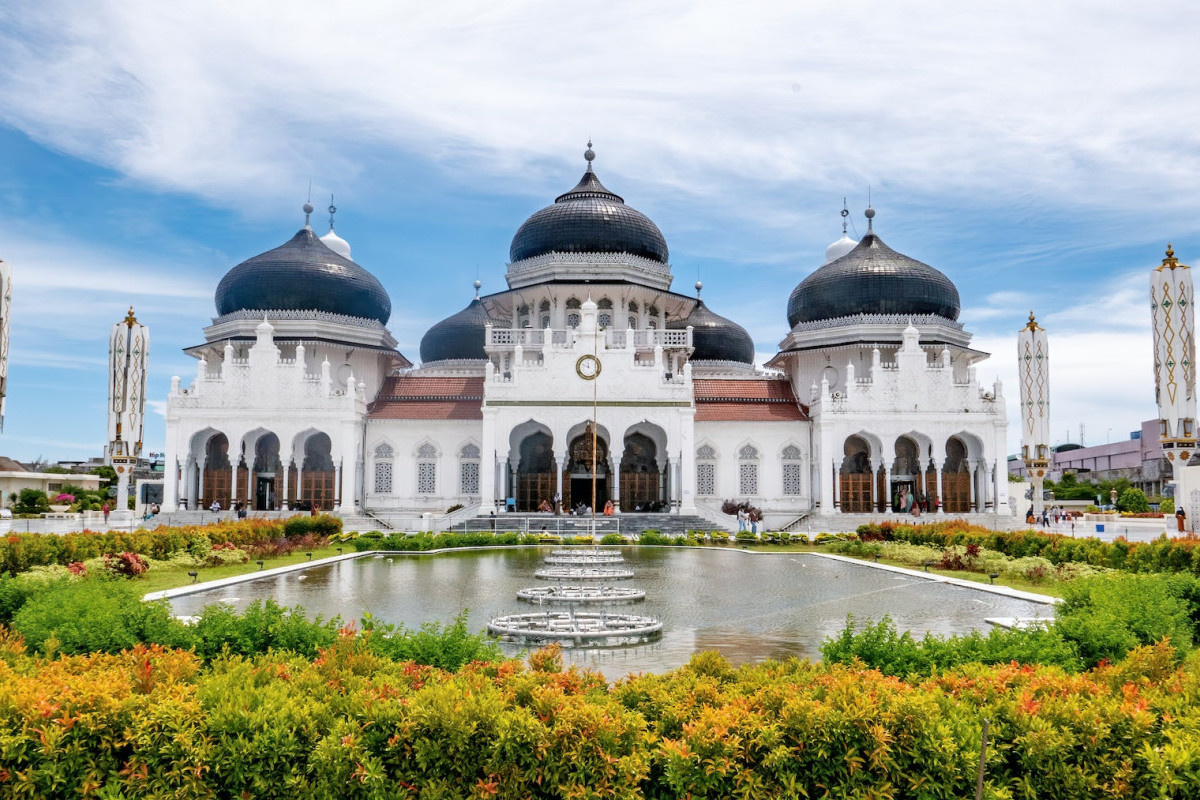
(567, 525)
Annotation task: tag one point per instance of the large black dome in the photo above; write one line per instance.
(872, 279)
(303, 275)
(589, 219)
(716, 338)
(459, 336)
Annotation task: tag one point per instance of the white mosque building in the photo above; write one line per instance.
(300, 398)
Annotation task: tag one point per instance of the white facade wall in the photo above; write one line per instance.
(769, 439)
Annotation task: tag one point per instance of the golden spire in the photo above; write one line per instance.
(1032, 326)
(1170, 262)
(130, 319)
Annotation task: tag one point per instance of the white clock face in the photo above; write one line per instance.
(588, 367)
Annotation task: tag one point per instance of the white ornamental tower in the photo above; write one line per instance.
(5, 309)
(1174, 323)
(1033, 356)
(128, 349)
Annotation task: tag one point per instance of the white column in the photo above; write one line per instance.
(286, 493)
(973, 498)
(834, 490)
(487, 463)
(337, 482)
(887, 488)
(200, 463)
(937, 471)
(233, 484)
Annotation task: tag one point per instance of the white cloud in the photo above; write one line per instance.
(699, 97)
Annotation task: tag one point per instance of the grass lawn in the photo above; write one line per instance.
(157, 580)
(1052, 588)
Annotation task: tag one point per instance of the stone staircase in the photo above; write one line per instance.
(567, 525)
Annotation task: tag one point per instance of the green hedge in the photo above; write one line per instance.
(374, 540)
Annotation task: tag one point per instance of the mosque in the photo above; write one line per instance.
(587, 370)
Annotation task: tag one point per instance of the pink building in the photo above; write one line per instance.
(1138, 459)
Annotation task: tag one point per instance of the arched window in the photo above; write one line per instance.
(573, 303)
(383, 468)
(790, 459)
(706, 471)
(632, 322)
(546, 321)
(748, 471)
(468, 470)
(544, 305)
(604, 320)
(572, 320)
(604, 303)
(632, 307)
(426, 469)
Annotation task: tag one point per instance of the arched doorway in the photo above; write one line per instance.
(318, 476)
(906, 478)
(268, 473)
(857, 489)
(217, 471)
(956, 478)
(641, 478)
(577, 478)
(535, 472)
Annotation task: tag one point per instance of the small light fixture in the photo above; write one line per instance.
(339, 551)
(309, 556)
(992, 577)
(193, 574)
(260, 563)
(927, 563)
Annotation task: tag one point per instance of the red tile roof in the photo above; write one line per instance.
(412, 397)
(747, 401)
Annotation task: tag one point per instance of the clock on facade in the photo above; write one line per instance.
(587, 367)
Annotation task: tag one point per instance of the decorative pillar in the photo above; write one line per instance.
(1174, 323)
(337, 483)
(128, 349)
(200, 464)
(285, 503)
(1033, 355)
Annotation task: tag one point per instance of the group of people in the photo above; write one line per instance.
(906, 501)
(1050, 516)
(748, 520)
(238, 508)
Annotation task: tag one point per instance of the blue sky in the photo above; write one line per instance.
(1041, 155)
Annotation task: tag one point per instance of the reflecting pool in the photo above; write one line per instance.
(749, 606)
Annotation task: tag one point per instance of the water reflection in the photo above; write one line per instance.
(748, 606)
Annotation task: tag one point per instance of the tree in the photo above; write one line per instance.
(31, 501)
(107, 473)
(1133, 501)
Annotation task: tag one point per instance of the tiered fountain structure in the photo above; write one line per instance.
(579, 628)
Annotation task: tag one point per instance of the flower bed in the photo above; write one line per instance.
(22, 551)
(157, 722)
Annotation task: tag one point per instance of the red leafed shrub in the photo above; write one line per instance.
(77, 568)
(126, 564)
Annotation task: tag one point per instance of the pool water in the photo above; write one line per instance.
(749, 606)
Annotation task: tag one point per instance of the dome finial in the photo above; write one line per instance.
(699, 286)
(589, 155)
(478, 283)
(308, 209)
(332, 211)
(845, 215)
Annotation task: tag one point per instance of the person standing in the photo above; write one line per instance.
(106, 510)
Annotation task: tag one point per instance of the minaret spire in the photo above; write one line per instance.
(1174, 323)
(1033, 367)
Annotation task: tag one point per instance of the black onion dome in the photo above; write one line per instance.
(872, 279)
(589, 219)
(303, 275)
(716, 338)
(458, 336)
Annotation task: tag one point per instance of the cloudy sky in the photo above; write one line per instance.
(1040, 154)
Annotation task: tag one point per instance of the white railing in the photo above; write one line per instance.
(536, 338)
